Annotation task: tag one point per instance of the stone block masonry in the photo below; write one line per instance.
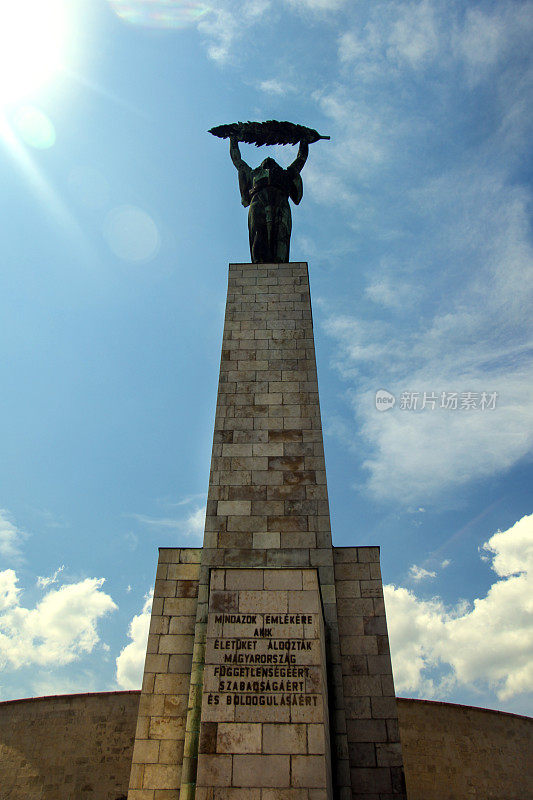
(67, 746)
(374, 748)
(267, 524)
(160, 733)
(80, 746)
(264, 721)
(267, 503)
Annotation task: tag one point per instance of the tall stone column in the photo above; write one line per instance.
(267, 717)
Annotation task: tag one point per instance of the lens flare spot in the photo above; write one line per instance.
(132, 234)
(159, 13)
(34, 127)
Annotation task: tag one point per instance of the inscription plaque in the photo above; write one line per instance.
(264, 689)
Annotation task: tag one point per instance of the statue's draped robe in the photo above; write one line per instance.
(267, 192)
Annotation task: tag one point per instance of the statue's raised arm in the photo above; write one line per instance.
(245, 172)
(268, 187)
(235, 153)
(298, 163)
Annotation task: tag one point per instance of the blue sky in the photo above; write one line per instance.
(120, 216)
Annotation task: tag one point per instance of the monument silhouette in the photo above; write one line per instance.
(268, 673)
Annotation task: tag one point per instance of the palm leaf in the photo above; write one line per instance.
(269, 132)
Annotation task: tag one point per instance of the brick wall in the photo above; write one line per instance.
(71, 746)
(453, 752)
(80, 746)
(374, 748)
(160, 734)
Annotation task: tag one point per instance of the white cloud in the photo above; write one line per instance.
(351, 46)
(380, 123)
(11, 537)
(158, 522)
(58, 630)
(195, 522)
(131, 539)
(51, 683)
(431, 33)
(9, 590)
(316, 5)
(51, 520)
(361, 140)
(487, 38)
(184, 502)
(512, 549)
(327, 188)
(389, 293)
(130, 662)
(419, 573)
(192, 525)
(227, 23)
(428, 455)
(276, 87)
(222, 22)
(474, 335)
(42, 583)
(413, 36)
(488, 643)
(221, 28)
(255, 9)
(482, 37)
(395, 35)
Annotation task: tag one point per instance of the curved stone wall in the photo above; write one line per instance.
(80, 746)
(455, 752)
(67, 747)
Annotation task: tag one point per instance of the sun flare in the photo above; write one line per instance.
(32, 45)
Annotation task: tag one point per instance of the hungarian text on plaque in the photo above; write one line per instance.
(264, 690)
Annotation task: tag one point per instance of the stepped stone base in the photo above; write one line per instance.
(160, 733)
(267, 752)
(374, 749)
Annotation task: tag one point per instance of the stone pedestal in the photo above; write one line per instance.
(268, 556)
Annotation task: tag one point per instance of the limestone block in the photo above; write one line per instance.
(215, 769)
(239, 737)
(166, 728)
(366, 730)
(308, 771)
(376, 780)
(268, 540)
(146, 751)
(261, 770)
(162, 776)
(283, 579)
(243, 578)
(286, 738)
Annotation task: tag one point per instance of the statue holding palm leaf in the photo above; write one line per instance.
(267, 188)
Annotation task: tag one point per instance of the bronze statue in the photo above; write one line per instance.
(267, 188)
